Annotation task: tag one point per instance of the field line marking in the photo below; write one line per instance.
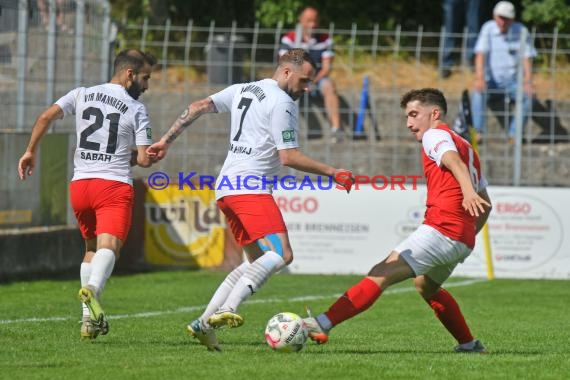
(188, 309)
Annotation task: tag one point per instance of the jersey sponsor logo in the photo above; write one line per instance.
(438, 145)
(149, 133)
(96, 156)
(288, 135)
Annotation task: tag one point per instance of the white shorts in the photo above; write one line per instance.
(429, 252)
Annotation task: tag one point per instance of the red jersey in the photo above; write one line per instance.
(444, 197)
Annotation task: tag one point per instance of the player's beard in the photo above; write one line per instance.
(135, 90)
(295, 95)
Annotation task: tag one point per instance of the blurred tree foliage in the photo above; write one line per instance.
(387, 14)
(543, 15)
(547, 14)
(366, 13)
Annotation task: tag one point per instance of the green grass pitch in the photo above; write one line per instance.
(525, 324)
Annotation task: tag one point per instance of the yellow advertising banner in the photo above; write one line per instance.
(183, 227)
(15, 216)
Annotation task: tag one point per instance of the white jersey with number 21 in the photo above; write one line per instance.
(109, 123)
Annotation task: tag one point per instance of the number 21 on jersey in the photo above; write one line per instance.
(113, 119)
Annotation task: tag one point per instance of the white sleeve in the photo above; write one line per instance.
(285, 126)
(482, 44)
(223, 99)
(329, 52)
(436, 142)
(68, 101)
(143, 129)
(529, 51)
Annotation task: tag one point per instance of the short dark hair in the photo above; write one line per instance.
(431, 96)
(297, 57)
(132, 59)
(307, 7)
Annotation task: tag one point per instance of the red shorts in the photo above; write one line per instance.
(252, 216)
(102, 206)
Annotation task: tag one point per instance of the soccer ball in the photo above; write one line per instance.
(286, 332)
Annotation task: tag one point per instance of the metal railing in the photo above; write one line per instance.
(49, 47)
(197, 60)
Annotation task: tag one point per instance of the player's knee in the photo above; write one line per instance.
(424, 288)
(274, 243)
(420, 289)
(279, 245)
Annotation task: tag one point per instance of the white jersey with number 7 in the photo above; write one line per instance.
(264, 120)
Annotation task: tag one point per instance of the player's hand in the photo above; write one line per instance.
(157, 151)
(344, 179)
(474, 204)
(26, 165)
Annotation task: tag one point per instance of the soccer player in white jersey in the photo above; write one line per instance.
(109, 122)
(457, 207)
(263, 137)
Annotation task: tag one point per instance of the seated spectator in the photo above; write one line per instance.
(319, 46)
(498, 56)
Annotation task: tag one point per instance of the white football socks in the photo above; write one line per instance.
(222, 292)
(254, 277)
(84, 274)
(102, 265)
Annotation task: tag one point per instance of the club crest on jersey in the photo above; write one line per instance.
(288, 135)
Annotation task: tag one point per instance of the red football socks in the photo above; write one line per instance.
(356, 299)
(447, 311)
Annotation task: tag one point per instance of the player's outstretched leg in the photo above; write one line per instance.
(316, 332)
(356, 300)
(224, 289)
(205, 335)
(254, 277)
(97, 317)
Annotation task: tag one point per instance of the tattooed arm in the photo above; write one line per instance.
(193, 112)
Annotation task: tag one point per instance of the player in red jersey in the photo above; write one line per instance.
(109, 123)
(457, 208)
